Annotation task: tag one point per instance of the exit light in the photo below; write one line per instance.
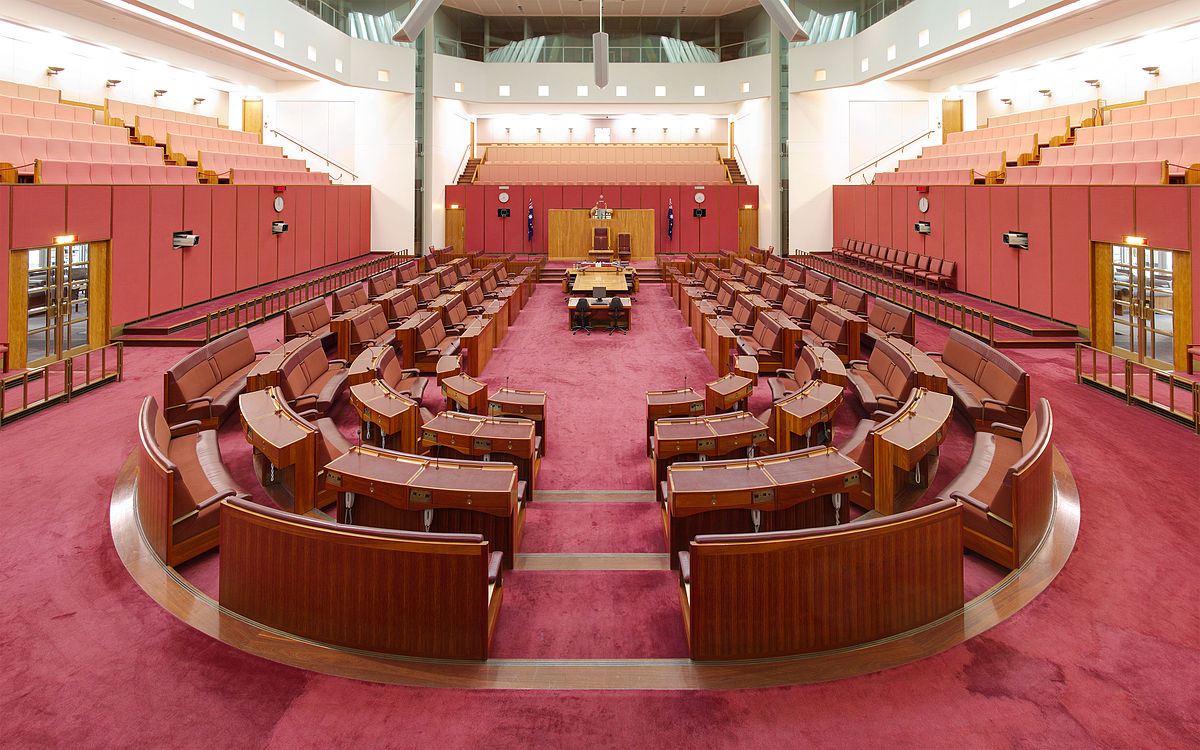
(1139, 241)
(64, 239)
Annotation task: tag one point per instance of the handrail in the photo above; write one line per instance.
(901, 147)
(741, 162)
(91, 377)
(1123, 382)
(462, 163)
(311, 150)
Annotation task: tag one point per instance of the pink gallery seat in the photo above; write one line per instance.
(220, 163)
(981, 163)
(1182, 91)
(48, 110)
(930, 177)
(25, 91)
(268, 177)
(1179, 153)
(41, 127)
(51, 171)
(160, 128)
(189, 147)
(1170, 127)
(1121, 173)
(1045, 129)
(1156, 110)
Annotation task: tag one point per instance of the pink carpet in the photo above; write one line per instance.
(1106, 657)
(594, 527)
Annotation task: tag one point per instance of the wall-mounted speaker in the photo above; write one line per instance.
(698, 212)
(504, 213)
(922, 227)
(1019, 240)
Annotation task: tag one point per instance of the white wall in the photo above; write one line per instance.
(443, 157)
(663, 127)
(756, 152)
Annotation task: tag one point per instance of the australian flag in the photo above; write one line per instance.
(529, 222)
(670, 220)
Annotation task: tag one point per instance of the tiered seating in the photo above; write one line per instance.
(1013, 147)
(25, 91)
(70, 130)
(1168, 127)
(125, 114)
(1177, 151)
(84, 173)
(1122, 173)
(272, 177)
(936, 271)
(1182, 91)
(936, 177)
(159, 130)
(1155, 111)
(1079, 114)
(205, 384)
(47, 110)
(602, 164)
(987, 385)
(983, 164)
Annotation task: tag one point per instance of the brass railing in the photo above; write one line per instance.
(40, 387)
(976, 322)
(1178, 398)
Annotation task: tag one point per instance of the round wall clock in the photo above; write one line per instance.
(503, 197)
(923, 204)
(699, 197)
(278, 204)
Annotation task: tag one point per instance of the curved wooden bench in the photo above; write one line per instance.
(309, 319)
(834, 328)
(395, 592)
(883, 381)
(1007, 486)
(205, 384)
(361, 329)
(181, 480)
(986, 384)
(814, 363)
(751, 596)
(383, 365)
(309, 380)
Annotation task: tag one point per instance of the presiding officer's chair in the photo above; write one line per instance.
(615, 307)
(581, 319)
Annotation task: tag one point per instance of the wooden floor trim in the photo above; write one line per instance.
(594, 496)
(553, 561)
(201, 612)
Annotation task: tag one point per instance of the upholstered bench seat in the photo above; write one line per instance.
(986, 384)
(205, 384)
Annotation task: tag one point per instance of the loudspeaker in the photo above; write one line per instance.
(785, 19)
(600, 58)
(922, 227)
(504, 213)
(698, 213)
(1019, 240)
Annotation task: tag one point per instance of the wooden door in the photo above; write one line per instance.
(58, 302)
(252, 117)
(952, 117)
(747, 228)
(1138, 295)
(456, 227)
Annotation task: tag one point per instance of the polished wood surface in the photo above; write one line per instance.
(351, 588)
(570, 232)
(930, 374)
(728, 393)
(476, 342)
(686, 438)
(761, 599)
(285, 440)
(906, 444)
(513, 402)
(406, 336)
(679, 402)
(582, 281)
(719, 342)
(387, 419)
(265, 372)
(466, 392)
(797, 414)
(503, 438)
(366, 365)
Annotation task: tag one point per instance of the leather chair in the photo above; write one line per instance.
(581, 319)
(615, 309)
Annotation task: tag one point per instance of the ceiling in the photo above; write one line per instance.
(592, 7)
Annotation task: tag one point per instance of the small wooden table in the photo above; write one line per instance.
(727, 393)
(512, 402)
(447, 367)
(599, 308)
(681, 402)
(284, 440)
(747, 367)
(467, 393)
(711, 436)
(394, 416)
(513, 439)
(795, 416)
(476, 341)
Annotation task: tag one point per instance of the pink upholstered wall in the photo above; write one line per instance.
(1052, 277)
(236, 251)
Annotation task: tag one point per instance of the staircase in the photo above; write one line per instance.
(735, 172)
(468, 174)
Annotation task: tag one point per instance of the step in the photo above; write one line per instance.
(1060, 342)
(151, 340)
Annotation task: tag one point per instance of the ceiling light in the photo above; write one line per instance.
(1151, 69)
(1093, 82)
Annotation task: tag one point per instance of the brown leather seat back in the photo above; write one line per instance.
(725, 295)
(431, 333)
(475, 294)
(404, 303)
(850, 298)
(407, 271)
(381, 283)
(818, 283)
(743, 311)
(456, 311)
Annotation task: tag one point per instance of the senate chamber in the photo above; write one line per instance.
(740, 373)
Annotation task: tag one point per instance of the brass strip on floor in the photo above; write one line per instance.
(593, 561)
(594, 496)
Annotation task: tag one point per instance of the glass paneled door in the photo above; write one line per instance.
(59, 297)
(1143, 294)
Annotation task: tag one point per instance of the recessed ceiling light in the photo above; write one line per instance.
(312, 53)
(819, 75)
(660, 90)
(622, 91)
(964, 19)
(697, 91)
(865, 64)
(923, 38)
(581, 91)
(458, 87)
(745, 87)
(891, 52)
(239, 20)
(543, 90)
(279, 40)
(383, 75)
(504, 90)
(337, 64)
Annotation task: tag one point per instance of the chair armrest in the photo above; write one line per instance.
(261, 353)
(885, 397)
(994, 402)
(763, 352)
(857, 362)
(204, 504)
(1007, 429)
(412, 372)
(193, 402)
(305, 397)
(968, 500)
(782, 373)
(743, 330)
(934, 354)
(339, 362)
(830, 342)
(186, 425)
(456, 328)
(879, 415)
(429, 352)
(724, 309)
(475, 310)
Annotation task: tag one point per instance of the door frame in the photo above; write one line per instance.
(1181, 302)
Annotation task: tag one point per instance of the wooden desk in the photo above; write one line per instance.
(930, 374)
(395, 417)
(727, 393)
(674, 403)
(265, 372)
(467, 393)
(496, 311)
(685, 438)
(365, 366)
(570, 232)
(511, 402)
(747, 367)
(406, 336)
(615, 279)
(768, 494)
(719, 341)
(790, 338)
(447, 367)
(599, 309)
(830, 367)
(414, 493)
(908, 442)
(476, 342)
(511, 439)
(814, 404)
(285, 441)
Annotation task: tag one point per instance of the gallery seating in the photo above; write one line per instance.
(125, 114)
(1155, 110)
(1168, 93)
(930, 177)
(1079, 114)
(27, 91)
(985, 165)
(158, 130)
(349, 297)
(1048, 129)
(1167, 127)
(1116, 173)
(239, 176)
(186, 149)
(1179, 153)
(311, 381)
(181, 481)
(205, 384)
(986, 384)
(48, 172)
(887, 318)
(751, 596)
(309, 319)
(884, 380)
(1016, 148)
(1007, 488)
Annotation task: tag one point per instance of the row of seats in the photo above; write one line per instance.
(1170, 127)
(932, 177)
(15, 105)
(25, 91)
(187, 148)
(1181, 91)
(273, 177)
(51, 172)
(1047, 130)
(1124, 173)
(601, 154)
(603, 174)
(1078, 114)
(126, 113)
(1012, 147)
(939, 272)
(159, 129)
(982, 164)
(220, 163)
(1155, 111)
(1178, 152)
(24, 152)
(40, 127)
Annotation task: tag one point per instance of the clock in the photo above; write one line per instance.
(923, 204)
(503, 197)
(699, 197)
(279, 204)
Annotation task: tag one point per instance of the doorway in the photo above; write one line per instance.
(60, 302)
(1145, 295)
(456, 228)
(747, 228)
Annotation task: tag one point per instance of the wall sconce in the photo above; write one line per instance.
(664, 131)
(197, 100)
(1093, 82)
(159, 92)
(54, 70)
(633, 130)
(1044, 92)
(111, 82)
(696, 130)
(1006, 100)
(1151, 69)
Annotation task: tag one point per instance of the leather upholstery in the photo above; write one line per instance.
(977, 371)
(887, 318)
(310, 317)
(216, 370)
(308, 371)
(888, 373)
(349, 298)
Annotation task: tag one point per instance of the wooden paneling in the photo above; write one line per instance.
(1102, 299)
(100, 293)
(570, 232)
(747, 228)
(197, 261)
(252, 117)
(166, 264)
(456, 229)
(976, 275)
(1036, 262)
(952, 117)
(17, 281)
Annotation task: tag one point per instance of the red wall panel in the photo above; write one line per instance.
(726, 215)
(268, 244)
(631, 196)
(130, 253)
(884, 227)
(89, 212)
(589, 195)
(1112, 213)
(902, 230)
(197, 261)
(708, 229)
(166, 264)
(354, 220)
(842, 224)
(933, 244)
(954, 241)
(1071, 258)
(650, 197)
(668, 197)
(687, 226)
(247, 236)
(977, 206)
(5, 253)
(364, 208)
(857, 201)
(42, 215)
(1034, 206)
(1005, 261)
(1160, 212)
(332, 227)
(572, 197)
(300, 198)
(343, 231)
(493, 230)
(473, 197)
(286, 242)
(223, 244)
(874, 196)
(1194, 196)
(513, 227)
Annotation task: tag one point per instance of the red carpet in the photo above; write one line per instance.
(1106, 657)
(593, 527)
